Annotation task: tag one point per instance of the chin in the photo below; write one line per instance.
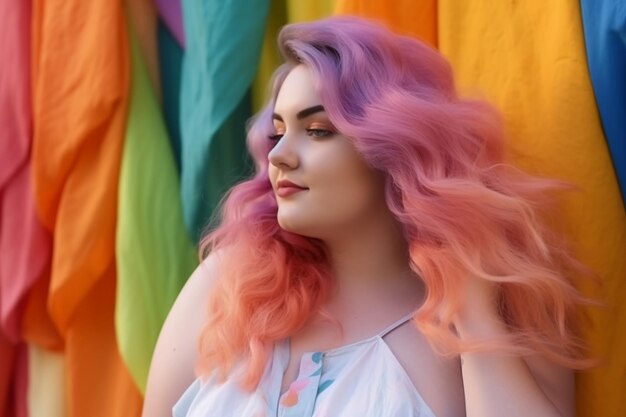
(289, 224)
(297, 225)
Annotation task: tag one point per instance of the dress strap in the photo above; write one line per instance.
(397, 324)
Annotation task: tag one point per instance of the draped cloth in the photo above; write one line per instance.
(46, 391)
(416, 18)
(223, 42)
(280, 14)
(172, 14)
(604, 23)
(24, 243)
(80, 89)
(154, 252)
(529, 59)
(170, 66)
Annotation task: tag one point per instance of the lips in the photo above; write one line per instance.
(285, 188)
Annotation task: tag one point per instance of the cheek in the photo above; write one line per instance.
(344, 192)
(356, 194)
(352, 189)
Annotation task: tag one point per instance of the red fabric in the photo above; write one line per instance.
(13, 378)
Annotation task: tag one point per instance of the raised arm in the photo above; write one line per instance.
(500, 385)
(174, 358)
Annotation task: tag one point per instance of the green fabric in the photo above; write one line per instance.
(154, 253)
(223, 44)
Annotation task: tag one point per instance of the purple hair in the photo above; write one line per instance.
(462, 208)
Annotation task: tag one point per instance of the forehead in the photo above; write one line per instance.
(297, 92)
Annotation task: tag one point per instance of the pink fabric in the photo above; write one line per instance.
(14, 87)
(25, 250)
(24, 245)
(171, 13)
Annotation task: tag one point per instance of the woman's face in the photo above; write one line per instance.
(322, 185)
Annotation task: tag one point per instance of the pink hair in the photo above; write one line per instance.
(463, 210)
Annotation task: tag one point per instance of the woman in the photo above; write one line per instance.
(383, 261)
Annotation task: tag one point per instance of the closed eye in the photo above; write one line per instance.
(275, 137)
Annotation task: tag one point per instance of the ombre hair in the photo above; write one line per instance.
(463, 210)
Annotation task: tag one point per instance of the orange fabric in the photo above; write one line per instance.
(80, 97)
(37, 326)
(417, 18)
(99, 384)
(80, 100)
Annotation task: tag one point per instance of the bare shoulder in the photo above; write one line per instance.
(437, 379)
(174, 357)
(555, 381)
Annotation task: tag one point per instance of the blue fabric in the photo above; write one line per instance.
(170, 65)
(604, 23)
(222, 51)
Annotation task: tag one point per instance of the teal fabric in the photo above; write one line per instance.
(153, 249)
(223, 46)
(604, 23)
(170, 66)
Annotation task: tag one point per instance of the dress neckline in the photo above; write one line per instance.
(286, 343)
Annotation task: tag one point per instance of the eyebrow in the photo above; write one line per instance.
(302, 113)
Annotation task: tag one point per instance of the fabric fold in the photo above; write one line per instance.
(80, 97)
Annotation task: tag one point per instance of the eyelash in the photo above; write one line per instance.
(316, 133)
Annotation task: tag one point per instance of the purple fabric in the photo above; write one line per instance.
(171, 13)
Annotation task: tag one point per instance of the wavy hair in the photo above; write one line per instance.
(463, 210)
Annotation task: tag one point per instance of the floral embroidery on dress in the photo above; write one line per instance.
(290, 397)
(310, 373)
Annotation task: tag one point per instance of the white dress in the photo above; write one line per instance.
(362, 379)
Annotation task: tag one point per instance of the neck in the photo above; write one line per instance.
(370, 266)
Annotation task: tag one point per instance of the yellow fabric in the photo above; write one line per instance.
(46, 383)
(303, 11)
(417, 18)
(270, 58)
(529, 59)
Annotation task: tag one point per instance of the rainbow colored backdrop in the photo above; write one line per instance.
(121, 127)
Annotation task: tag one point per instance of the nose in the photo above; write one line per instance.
(284, 155)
